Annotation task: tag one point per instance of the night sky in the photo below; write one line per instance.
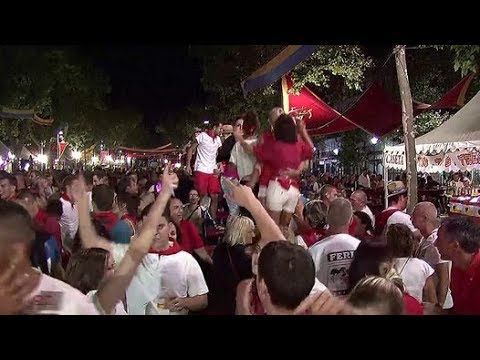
(155, 79)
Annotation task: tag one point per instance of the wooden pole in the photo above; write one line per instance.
(407, 121)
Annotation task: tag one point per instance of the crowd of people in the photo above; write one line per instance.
(141, 243)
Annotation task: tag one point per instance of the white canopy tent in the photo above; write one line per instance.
(450, 147)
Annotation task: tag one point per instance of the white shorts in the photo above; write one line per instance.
(262, 191)
(280, 199)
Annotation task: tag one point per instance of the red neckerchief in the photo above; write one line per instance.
(130, 218)
(175, 248)
(285, 182)
(108, 219)
(41, 217)
(211, 133)
(67, 198)
(312, 236)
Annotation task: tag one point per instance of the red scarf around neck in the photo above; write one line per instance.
(211, 133)
(130, 217)
(175, 248)
(108, 219)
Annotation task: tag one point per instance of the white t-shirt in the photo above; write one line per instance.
(332, 258)
(68, 222)
(367, 211)
(428, 252)
(244, 161)
(206, 160)
(299, 241)
(119, 309)
(164, 276)
(414, 273)
(70, 300)
(399, 217)
(364, 180)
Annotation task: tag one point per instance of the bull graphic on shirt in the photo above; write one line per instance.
(338, 266)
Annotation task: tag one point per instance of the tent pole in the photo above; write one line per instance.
(385, 178)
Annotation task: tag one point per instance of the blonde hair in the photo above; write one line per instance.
(274, 114)
(237, 229)
(377, 295)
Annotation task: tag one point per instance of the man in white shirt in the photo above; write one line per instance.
(69, 219)
(334, 254)
(167, 279)
(425, 219)
(359, 203)
(205, 169)
(52, 296)
(395, 213)
(364, 179)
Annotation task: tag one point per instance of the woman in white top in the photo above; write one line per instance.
(416, 274)
(87, 269)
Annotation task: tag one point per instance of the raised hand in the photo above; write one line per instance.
(169, 179)
(240, 194)
(16, 289)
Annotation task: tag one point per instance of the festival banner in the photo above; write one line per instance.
(461, 160)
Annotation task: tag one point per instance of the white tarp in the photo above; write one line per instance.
(450, 147)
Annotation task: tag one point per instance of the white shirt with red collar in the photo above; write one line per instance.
(207, 149)
(400, 217)
(164, 277)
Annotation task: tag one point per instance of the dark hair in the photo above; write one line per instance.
(400, 240)
(11, 179)
(326, 188)
(103, 196)
(86, 269)
(364, 219)
(464, 230)
(131, 201)
(165, 214)
(68, 181)
(315, 212)
(396, 198)
(288, 272)
(15, 223)
(250, 123)
(123, 184)
(285, 129)
(88, 178)
(55, 208)
(366, 261)
(100, 174)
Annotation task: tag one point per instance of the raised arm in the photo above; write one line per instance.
(114, 288)
(243, 196)
(302, 131)
(238, 134)
(88, 234)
